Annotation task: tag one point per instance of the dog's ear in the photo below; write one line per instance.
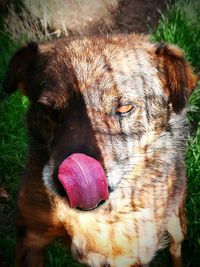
(16, 75)
(176, 75)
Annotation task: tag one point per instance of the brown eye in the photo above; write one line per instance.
(124, 109)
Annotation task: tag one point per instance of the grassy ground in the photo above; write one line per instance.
(179, 26)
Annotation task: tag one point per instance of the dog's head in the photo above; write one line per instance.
(109, 98)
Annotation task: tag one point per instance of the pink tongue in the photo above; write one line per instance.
(84, 181)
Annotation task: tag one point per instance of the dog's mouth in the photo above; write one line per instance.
(83, 180)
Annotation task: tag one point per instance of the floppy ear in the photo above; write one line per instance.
(176, 75)
(16, 75)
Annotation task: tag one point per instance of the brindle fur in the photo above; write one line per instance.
(75, 87)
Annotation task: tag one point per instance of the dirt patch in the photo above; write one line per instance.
(111, 16)
(138, 15)
(49, 19)
(72, 16)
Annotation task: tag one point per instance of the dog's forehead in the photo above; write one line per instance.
(113, 69)
(94, 61)
(107, 69)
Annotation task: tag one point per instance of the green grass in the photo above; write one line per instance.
(56, 256)
(12, 152)
(180, 26)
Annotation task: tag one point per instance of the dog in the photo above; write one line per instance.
(114, 105)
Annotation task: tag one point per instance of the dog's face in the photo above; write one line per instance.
(120, 100)
(106, 97)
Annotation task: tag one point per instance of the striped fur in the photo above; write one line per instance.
(75, 87)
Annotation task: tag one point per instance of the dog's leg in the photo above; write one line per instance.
(29, 251)
(177, 230)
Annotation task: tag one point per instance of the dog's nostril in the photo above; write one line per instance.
(110, 189)
(57, 184)
(101, 202)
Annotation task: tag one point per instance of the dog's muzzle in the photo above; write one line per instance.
(82, 179)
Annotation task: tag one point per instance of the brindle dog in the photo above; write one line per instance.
(121, 100)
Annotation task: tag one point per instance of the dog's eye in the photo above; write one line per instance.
(124, 109)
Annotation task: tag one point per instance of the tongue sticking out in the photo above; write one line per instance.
(84, 181)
